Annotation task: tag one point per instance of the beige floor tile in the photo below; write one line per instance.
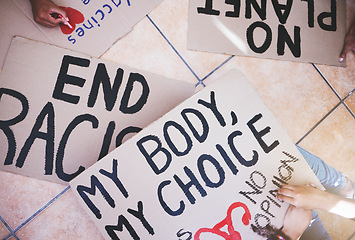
(342, 79)
(144, 48)
(63, 220)
(333, 141)
(338, 227)
(3, 231)
(21, 197)
(172, 18)
(350, 102)
(294, 92)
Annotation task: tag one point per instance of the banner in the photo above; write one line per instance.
(300, 31)
(61, 111)
(97, 25)
(209, 168)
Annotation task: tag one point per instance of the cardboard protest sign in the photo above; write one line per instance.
(97, 24)
(300, 31)
(61, 111)
(214, 162)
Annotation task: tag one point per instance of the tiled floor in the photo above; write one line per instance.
(314, 103)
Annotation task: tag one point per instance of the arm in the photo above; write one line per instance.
(311, 198)
(42, 10)
(296, 221)
(349, 43)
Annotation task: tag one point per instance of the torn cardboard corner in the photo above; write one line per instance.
(300, 31)
(96, 23)
(217, 158)
(61, 111)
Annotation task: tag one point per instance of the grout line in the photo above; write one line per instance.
(342, 101)
(41, 209)
(200, 82)
(12, 233)
(6, 224)
(319, 122)
(353, 235)
(218, 67)
(325, 79)
(346, 106)
(214, 70)
(172, 46)
(335, 92)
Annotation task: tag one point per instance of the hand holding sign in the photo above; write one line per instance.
(349, 44)
(210, 167)
(43, 10)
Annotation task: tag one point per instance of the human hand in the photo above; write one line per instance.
(349, 43)
(45, 12)
(306, 197)
(296, 221)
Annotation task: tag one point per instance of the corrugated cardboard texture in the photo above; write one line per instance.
(315, 32)
(61, 111)
(217, 157)
(105, 22)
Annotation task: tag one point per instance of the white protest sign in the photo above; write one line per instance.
(61, 111)
(300, 30)
(210, 167)
(97, 25)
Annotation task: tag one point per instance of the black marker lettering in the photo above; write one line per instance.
(260, 10)
(332, 15)
(284, 37)
(250, 37)
(208, 9)
(64, 78)
(107, 139)
(181, 233)
(182, 131)
(201, 168)
(122, 221)
(236, 153)
(282, 11)
(310, 4)
(139, 214)
(47, 111)
(95, 183)
(163, 203)
(236, 5)
(124, 132)
(186, 187)
(138, 78)
(213, 107)
(110, 93)
(114, 177)
(204, 125)
(258, 135)
(5, 124)
(227, 159)
(63, 142)
(149, 156)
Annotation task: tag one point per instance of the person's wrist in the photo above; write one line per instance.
(327, 201)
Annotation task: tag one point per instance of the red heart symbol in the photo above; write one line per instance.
(75, 17)
(232, 234)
